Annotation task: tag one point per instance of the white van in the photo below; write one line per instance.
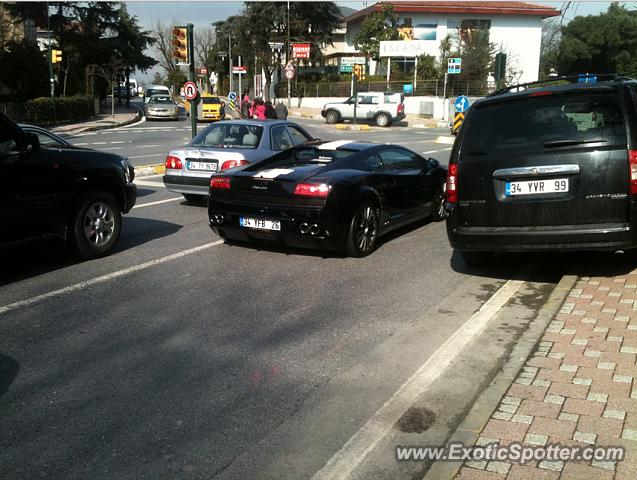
(155, 90)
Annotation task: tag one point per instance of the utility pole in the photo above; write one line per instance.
(287, 56)
(48, 28)
(230, 64)
(192, 78)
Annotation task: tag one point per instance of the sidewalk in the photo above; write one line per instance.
(576, 388)
(123, 116)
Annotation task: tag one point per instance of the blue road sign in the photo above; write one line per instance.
(232, 96)
(408, 88)
(454, 65)
(461, 104)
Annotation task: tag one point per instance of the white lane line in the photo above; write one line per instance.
(98, 143)
(343, 463)
(147, 146)
(146, 183)
(112, 148)
(118, 141)
(150, 155)
(83, 143)
(158, 202)
(105, 278)
(439, 150)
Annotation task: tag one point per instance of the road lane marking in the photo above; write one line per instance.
(147, 146)
(149, 155)
(436, 151)
(352, 454)
(111, 148)
(118, 141)
(77, 144)
(105, 278)
(158, 202)
(146, 183)
(98, 143)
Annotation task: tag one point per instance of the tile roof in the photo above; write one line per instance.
(463, 7)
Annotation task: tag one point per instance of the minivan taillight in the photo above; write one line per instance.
(233, 163)
(452, 183)
(173, 163)
(219, 182)
(632, 160)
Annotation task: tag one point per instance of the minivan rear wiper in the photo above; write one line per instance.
(568, 142)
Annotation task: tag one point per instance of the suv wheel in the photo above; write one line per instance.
(383, 120)
(95, 225)
(332, 116)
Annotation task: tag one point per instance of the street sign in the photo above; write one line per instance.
(300, 50)
(457, 122)
(190, 90)
(202, 72)
(276, 46)
(289, 71)
(232, 97)
(240, 70)
(408, 88)
(461, 104)
(454, 65)
(348, 62)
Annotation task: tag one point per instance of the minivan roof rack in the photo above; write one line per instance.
(583, 78)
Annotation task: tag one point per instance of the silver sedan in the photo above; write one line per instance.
(161, 106)
(227, 144)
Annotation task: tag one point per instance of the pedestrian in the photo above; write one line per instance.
(245, 106)
(269, 111)
(281, 110)
(253, 108)
(259, 110)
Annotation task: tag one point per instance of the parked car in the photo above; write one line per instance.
(551, 167)
(224, 145)
(51, 189)
(339, 195)
(376, 107)
(161, 107)
(155, 90)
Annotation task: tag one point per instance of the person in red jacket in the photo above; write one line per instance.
(259, 110)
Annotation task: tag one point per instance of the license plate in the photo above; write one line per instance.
(536, 187)
(259, 223)
(202, 166)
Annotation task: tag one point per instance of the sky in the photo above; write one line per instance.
(203, 13)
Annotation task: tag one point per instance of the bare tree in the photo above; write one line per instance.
(162, 34)
(204, 44)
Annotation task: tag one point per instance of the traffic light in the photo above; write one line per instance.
(180, 45)
(56, 56)
(500, 66)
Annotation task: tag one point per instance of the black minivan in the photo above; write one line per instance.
(550, 167)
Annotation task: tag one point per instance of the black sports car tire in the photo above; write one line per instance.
(439, 211)
(95, 225)
(363, 230)
(192, 198)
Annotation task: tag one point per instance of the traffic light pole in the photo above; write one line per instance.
(355, 80)
(192, 78)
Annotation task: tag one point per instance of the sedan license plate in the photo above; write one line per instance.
(536, 187)
(202, 166)
(259, 223)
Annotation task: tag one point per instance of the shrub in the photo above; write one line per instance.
(46, 111)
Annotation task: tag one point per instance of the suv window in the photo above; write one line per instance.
(367, 99)
(535, 123)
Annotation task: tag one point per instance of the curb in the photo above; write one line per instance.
(343, 126)
(469, 429)
(147, 170)
(93, 128)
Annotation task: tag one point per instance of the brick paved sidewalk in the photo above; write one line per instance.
(575, 389)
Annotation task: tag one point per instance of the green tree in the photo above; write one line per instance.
(377, 27)
(24, 71)
(550, 47)
(428, 67)
(604, 43)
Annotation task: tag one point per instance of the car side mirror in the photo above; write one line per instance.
(31, 143)
(433, 163)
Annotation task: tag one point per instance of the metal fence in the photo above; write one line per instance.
(421, 88)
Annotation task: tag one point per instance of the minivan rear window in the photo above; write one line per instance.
(544, 122)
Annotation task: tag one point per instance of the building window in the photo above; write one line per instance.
(425, 31)
(461, 31)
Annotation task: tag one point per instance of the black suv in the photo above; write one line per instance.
(549, 167)
(60, 191)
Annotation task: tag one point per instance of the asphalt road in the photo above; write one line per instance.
(180, 356)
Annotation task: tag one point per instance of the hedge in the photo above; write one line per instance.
(46, 111)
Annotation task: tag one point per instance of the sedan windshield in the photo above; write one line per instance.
(228, 135)
(208, 100)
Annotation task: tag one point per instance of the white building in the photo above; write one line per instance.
(514, 27)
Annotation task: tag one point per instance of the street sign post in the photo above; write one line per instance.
(232, 98)
(190, 90)
(461, 105)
